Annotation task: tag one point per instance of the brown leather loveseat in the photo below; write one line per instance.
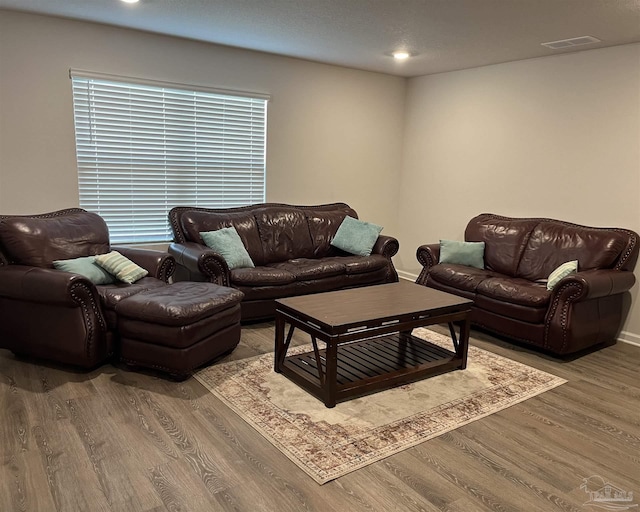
(510, 293)
(289, 245)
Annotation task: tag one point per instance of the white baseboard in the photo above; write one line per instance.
(625, 336)
(630, 338)
(407, 276)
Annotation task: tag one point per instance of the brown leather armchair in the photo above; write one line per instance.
(57, 315)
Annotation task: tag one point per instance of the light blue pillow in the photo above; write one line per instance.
(462, 253)
(356, 236)
(228, 244)
(561, 272)
(86, 267)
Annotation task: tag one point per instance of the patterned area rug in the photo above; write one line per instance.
(329, 443)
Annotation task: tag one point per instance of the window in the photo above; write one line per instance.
(145, 147)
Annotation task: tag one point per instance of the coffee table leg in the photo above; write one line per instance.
(463, 343)
(331, 374)
(279, 348)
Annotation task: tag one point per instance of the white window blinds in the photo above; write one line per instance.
(143, 148)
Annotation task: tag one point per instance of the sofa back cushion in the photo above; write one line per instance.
(39, 240)
(323, 225)
(505, 240)
(284, 232)
(194, 222)
(553, 242)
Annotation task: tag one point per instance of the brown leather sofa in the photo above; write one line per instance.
(290, 247)
(64, 317)
(510, 294)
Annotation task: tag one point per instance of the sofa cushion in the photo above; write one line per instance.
(37, 242)
(284, 233)
(462, 253)
(309, 269)
(122, 267)
(362, 264)
(504, 238)
(552, 243)
(459, 277)
(87, 267)
(509, 310)
(515, 290)
(195, 221)
(261, 276)
(228, 244)
(323, 226)
(561, 272)
(356, 237)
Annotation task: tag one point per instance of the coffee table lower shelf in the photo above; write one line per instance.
(371, 364)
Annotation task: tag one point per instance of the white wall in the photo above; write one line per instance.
(552, 137)
(334, 134)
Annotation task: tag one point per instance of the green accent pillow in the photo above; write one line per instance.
(356, 236)
(462, 253)
(228, 244)
(123, 268)
(561, 272)
(86, 267)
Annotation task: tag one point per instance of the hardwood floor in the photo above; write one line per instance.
(118, 440)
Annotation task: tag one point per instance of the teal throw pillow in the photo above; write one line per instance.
(561, 272)
(228, 244)
(120, 266)
(86, 267)
(356, 237)
(462, 253)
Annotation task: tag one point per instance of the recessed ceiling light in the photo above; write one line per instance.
(130, 1)
(401, 55)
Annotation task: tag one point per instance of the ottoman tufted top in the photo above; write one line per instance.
(181, 303)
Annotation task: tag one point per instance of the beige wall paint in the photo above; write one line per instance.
(552, 137)
(334, 134)
(555, 137)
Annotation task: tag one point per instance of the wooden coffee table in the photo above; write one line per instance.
(368, 340)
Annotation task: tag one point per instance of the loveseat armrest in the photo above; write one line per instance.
(388, 246)
(428, 255)
(44, 285)
(199, 260)
(160, 265)
(592, 284)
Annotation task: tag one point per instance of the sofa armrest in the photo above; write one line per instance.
(592, 284)
(428, 255)
(43, 285)
(199, 259)
(388, 246)
(160, 265)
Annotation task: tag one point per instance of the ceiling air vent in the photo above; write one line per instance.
(568, 43)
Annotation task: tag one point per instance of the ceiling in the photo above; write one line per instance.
(444, 35)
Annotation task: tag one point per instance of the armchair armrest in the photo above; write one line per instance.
(43, 285)
(160, 265)
(388, 246)
(199, 259)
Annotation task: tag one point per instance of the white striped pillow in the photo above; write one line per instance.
(561, 272)
(123, 268)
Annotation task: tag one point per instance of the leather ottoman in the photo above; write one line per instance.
(179, 327)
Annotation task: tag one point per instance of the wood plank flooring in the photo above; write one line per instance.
(118, 440)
